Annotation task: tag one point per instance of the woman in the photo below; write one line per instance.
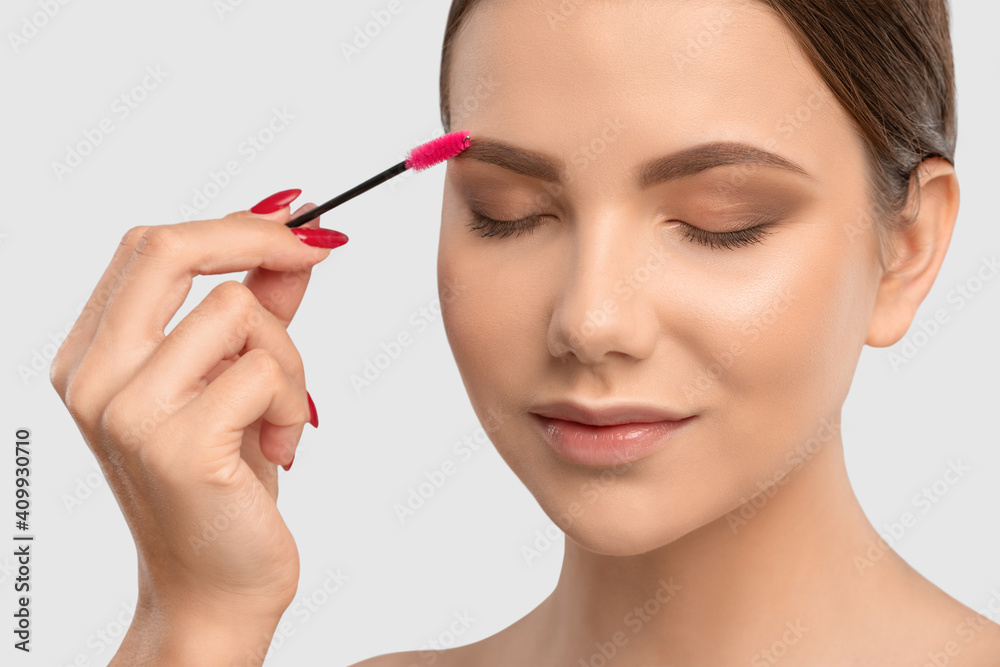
(676, 228)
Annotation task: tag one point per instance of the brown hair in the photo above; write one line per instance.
(887, 62)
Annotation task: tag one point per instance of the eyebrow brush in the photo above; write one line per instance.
(422, 157)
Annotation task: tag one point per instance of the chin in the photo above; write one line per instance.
(624, 543)
(615, 527)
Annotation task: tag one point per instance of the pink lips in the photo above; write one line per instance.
(606, 436)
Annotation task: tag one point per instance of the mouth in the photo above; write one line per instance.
(607, 435)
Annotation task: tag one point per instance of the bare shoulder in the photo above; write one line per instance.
(962, 638)
(467, 655)
(975, 642)
(457, 656)
(399, 659)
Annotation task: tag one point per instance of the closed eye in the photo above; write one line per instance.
(729, 240)
(487, 227)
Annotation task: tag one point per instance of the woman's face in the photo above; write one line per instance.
(621, 294)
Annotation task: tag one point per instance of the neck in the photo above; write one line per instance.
(767, 577)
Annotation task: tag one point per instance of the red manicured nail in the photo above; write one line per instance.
(313, 416)
(319, 237)
(276, 202)
(289, 466)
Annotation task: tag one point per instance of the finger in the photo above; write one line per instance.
(77, 341)
(281, 292)
(157, 277)
(255, 387)
(262, 468)
(229, 321)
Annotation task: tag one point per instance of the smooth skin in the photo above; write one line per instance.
(607, 300)
(189, 428)
(787, 577)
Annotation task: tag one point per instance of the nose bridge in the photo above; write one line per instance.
(602, 307)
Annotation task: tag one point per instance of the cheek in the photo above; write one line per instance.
(783, 350)
(805, 331)
(489, 321)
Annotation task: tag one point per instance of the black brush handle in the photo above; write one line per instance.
(350, 194)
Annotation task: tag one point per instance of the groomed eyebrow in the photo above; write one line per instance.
(686, 162)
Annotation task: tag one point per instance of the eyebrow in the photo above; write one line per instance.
(686, 162)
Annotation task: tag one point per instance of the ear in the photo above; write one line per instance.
(921, 248)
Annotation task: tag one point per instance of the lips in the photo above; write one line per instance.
(609, 434)
(607, 415)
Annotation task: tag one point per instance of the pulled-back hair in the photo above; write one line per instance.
(887, 62)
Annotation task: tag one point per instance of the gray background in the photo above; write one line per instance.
(226, 73)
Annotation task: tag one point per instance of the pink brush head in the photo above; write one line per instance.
(433, 152)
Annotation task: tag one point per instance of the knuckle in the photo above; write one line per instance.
(160, 241)
(132, 236)
(237, 299)
(298, 371)
(58, 371)
(57, 376)
(235, 295)
(117, 422)
(80, 402)
(306, 414)
(264, 365)
(236, 215)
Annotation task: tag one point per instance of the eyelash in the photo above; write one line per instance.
(488, 228)
(729, 240)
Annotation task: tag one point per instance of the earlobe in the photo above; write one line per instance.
(920, 250)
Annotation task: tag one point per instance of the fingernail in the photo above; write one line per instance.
(276, 202)
(313, 416)
(289, 466)
(319, 237)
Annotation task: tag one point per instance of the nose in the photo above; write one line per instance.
(603, 308)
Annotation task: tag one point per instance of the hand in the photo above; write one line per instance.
(189, 427)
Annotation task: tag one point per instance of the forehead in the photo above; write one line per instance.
(550, 75)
